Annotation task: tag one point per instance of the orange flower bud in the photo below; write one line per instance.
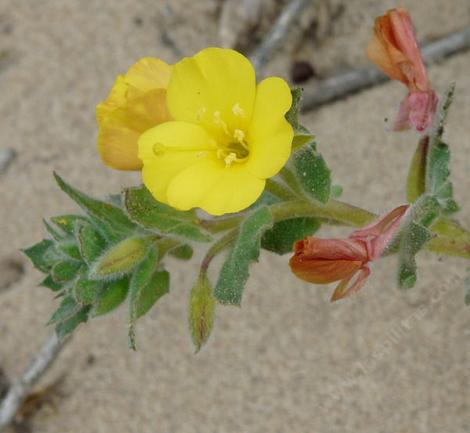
(393, 48)
(323, 261)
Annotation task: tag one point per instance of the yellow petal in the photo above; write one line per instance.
(115, 99)
(214, 188)
(214, 83)
(121, 127)
(148, 74)
(168, 149)
(270, 134)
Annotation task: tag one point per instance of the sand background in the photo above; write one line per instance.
(288, 361)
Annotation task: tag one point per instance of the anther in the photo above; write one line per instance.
(229, 159)
(237, 110)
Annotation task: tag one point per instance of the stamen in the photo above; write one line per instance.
(219, 122)
(200, 113)
(231, 157)
(239, 135)
(238, 111)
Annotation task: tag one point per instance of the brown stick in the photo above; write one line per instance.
(20, 390)
(353, 81)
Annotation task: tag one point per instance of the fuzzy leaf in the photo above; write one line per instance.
(69, 248)
(201, 311)
(107, 213)
(302, 135)
(90, 241)
(120, 259)
(51, 284)
(67, 222)
(282, 236)
(235, 270)
(42, 255)
(413, 238)
(312, 173)
(153, 215)
(144, 296)
(86, 291)
(183, 252)
(68, 326)
(415, 185)
(111, 296)
(414, 233)
(65, 270)
(67, 308)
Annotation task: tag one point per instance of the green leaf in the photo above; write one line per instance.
(56, 234)
(235, 270)
(68, 326)
(415, 185)
(201, 311)
(67, 308)
(336, 191)
(49, 283)
(147, 286)
(153, 215)
(413, 235)
(43, 255)
(158, 286)
(111, 296)
(120, 259)
(86, 291)
(438, 156)
(67, 222)
(281, 238)
(312, 173)
(412, 239)
(90, 241)
(450, 228)
(302, 135)
(107, 213)
(69, 248)
(183, 252)
(65, 270)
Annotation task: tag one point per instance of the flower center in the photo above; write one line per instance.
(233, 147)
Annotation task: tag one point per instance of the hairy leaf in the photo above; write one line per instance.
(235, 270)
(107, 213)
(43, 255)
(415, 185)
(153, 215)
(68, 326)
(65, 270)
(183, 252)
(111, 296)
(312, 173)
(302, 135)
(90, 241)
(282, 236)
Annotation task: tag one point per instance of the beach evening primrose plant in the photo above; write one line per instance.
(207, 137)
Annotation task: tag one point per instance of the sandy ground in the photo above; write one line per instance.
(288, 361)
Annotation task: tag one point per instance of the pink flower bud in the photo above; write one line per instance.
(323, 261)
(393, 48)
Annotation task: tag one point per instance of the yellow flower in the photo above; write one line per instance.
(135, 104)
(227, 137)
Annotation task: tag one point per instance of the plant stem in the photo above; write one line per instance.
(217, 247)
(278, 189)
(335, 211)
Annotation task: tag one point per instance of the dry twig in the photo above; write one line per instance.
(278, 32)
(21, 389)
(353, 81)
